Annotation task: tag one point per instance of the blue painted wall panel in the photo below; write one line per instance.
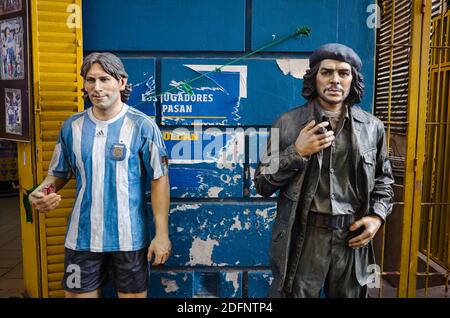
(354, 32)
(230, 285)
(217, 97)
(188, 284)
(141, 74)
(272, 20)
(173, 284)
(257, 144)
(268, 93)
(220, 233)
(342, 21)
(259, 283)
(206, 163)
(164, 25)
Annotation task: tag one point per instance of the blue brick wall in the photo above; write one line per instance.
(220, 228)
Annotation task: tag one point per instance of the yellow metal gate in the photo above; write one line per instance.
(412, 88)
(435, 218)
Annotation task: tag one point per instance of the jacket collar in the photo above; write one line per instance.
(354, 111)
(310, 112)
(358, 114)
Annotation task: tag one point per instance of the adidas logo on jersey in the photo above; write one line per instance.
(99, 132)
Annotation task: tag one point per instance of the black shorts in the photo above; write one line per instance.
(86, 271)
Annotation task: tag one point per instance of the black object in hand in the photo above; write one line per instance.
(323, 130)
(358, 231)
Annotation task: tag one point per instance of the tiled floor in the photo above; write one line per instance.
(11, 274)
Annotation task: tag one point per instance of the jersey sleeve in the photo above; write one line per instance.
(154, 152)
(60, 164)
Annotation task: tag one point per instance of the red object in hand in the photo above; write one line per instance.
(50, 188)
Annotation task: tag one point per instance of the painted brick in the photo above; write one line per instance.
(220, 233)
(188, 284)
(173, 284)
(259, 283)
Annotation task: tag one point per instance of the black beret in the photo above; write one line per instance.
(335, 51)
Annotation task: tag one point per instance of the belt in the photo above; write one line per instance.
(332, 222)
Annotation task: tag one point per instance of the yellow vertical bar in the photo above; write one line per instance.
(446, 163)
(79, 39)
(447, 272)
(438, 160)
(30, 244)
(446, 43)
(428, 250)
(420, 148)
(437, 89)
(36, 89)
(427, 184)
(417, 101)
(440, 190)
(416, 25)
(37, 131)
(435, 109)
(437, 136)
(38, 140)
(446, 177)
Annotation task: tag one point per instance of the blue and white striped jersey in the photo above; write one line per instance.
(112, 162)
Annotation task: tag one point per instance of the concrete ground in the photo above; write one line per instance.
(11, 273)
(389, 291)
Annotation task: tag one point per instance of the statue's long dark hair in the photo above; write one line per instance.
(309, 91)
(112, 65)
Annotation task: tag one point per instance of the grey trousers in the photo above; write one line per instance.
(327, 262)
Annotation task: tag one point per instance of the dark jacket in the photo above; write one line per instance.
(373, 179)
